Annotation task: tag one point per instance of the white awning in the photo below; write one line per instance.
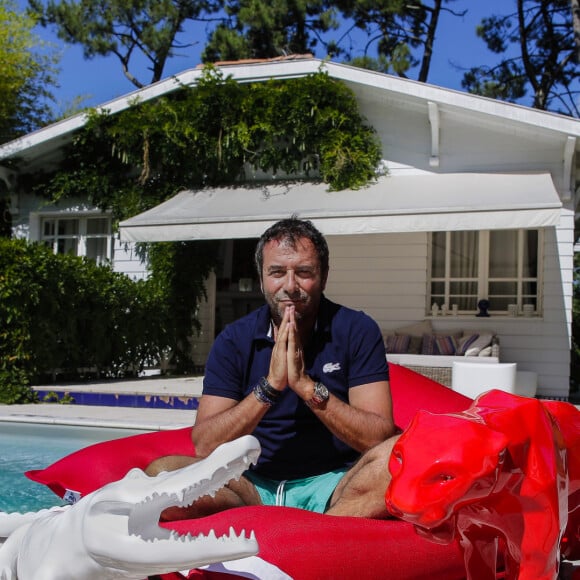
(412, 203)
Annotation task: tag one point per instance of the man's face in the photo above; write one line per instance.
(291, 276)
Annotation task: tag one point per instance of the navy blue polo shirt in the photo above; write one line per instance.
(346, 351)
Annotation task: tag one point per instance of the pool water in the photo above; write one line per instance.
(25, 446)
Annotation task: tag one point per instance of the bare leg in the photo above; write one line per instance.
(169, 463)
(361, 492)
(235, 494)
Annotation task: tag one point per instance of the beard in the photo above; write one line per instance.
(304, 306)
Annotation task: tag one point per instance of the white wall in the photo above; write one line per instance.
(383, 274)
(206, 315)
(386, 276)
(127, 261)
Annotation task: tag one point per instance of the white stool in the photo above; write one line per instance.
(472, 378)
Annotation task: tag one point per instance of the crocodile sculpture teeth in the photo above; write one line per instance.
(114, 533)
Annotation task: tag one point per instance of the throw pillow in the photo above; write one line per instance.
(415, 345)
(464, 343)
(428, 346)
(479, 344)
(445, 345)
(416, 332)
(398, 344)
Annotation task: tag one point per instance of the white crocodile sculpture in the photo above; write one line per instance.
(113, 533)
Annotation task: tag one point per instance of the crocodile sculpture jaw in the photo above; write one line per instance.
(114, 533)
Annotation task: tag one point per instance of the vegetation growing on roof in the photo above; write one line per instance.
(210, 135)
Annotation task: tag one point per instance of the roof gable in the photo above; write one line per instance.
(368, 85)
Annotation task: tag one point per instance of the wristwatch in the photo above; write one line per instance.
(319, 397)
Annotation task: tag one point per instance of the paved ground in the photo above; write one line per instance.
(105, 416)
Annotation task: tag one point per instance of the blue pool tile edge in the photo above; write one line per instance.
(135, 400)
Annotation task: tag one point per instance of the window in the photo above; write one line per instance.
(88, 236)
(502, 266)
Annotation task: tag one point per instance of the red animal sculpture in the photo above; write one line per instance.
(502, 476)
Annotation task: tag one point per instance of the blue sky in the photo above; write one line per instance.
(101, 79)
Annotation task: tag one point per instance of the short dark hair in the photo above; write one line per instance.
(291, 230)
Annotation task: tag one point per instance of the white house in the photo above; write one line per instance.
(478, 203)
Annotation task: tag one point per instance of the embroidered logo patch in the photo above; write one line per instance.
(71, 497)
(331, 367)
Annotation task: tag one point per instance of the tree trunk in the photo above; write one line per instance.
(429, 39)
(576, 25)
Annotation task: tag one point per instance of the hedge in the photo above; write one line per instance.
(63, 314)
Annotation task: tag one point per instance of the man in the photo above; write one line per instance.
(309, 379)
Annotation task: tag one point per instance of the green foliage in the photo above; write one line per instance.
(401, 33)
(14, 386)
(144, 36)
(209, 135)
(62, 313)
(538, 51)
(390, 35)
(257, 29)
(5, 215)
(181, 269)
(124, 28)
(27, 76)
(52, 397)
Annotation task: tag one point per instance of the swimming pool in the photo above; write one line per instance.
(25, 446)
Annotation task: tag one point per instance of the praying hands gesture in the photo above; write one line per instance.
(287, 366)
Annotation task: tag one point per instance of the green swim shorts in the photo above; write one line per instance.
(309, 493)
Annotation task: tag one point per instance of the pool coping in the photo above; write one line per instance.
(97, 416)
(182, 387)
(151, 425)
(167, 416)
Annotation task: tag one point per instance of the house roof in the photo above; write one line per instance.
(41, 146)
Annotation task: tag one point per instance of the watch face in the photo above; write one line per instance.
(320, 393)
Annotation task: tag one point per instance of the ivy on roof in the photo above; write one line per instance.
(210, 134)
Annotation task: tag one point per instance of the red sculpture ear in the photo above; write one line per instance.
(494, 449)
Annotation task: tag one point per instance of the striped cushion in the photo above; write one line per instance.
(398, 344)
(428, 344)
(464, 343)
(445, 345)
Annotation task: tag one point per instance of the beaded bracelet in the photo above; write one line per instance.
(266, 393)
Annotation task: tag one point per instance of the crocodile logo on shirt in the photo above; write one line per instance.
(331, 367)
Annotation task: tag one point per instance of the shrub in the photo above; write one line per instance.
(62, 313)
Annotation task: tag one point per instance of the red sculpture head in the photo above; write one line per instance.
(501, 475)
(440, 463)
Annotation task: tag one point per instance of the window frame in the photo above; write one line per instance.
(81, 236)
(483, 278)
